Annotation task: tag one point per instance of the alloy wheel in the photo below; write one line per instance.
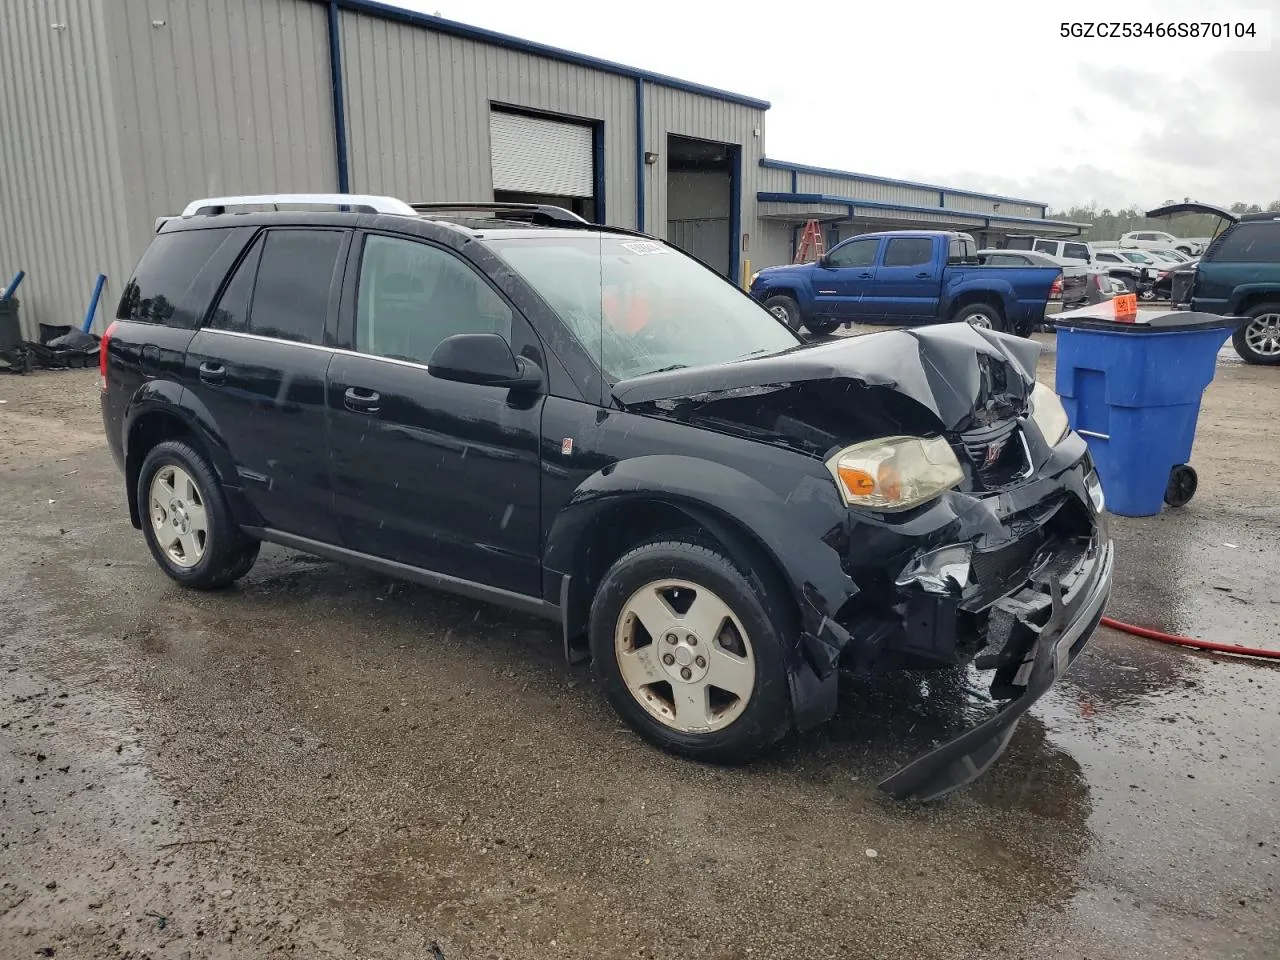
(178, 517)
(1262, 335)
(684, 656)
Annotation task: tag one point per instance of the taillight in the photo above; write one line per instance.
(1055, 291)
(102, 354)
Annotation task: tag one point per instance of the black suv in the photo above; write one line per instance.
(586, 424)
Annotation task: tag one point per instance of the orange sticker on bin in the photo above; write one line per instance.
(1126, 307)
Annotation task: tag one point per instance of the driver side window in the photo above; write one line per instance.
(413, 295)
(856, 253)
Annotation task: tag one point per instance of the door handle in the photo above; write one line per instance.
(923, 276)
(864, 276)
(360, 400)
(212, 372)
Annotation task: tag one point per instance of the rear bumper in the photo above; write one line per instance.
(1036, 633)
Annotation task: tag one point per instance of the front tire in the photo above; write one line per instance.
(1258, 341)
(186, 521)
(785, 309)
(821, 328)
(688, 646)
(981, 315)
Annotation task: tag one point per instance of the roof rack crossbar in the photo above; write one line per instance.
(361, 203)
(550, 213)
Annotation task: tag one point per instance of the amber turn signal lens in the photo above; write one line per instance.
(857, 482)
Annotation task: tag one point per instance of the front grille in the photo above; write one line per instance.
(997, 571)
(997, 453)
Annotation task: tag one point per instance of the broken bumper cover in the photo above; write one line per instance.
(1045, 625)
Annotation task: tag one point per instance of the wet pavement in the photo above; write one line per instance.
(322, 762)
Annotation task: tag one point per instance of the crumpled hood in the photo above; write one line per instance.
(947, 368)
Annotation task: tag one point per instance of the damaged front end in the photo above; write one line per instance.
(986, 545)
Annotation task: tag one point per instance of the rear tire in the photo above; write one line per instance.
(981, 315)
(734, 683)
(785, 309)
(186, 521)
(1258, 341)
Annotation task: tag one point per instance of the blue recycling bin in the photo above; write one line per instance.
(1133, 390)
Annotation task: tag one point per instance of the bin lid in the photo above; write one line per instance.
(1102, 316)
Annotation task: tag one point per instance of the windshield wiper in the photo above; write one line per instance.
(674, 366)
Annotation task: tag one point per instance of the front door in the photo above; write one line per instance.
(842, 284)
(256, 370)
(429, 472)
(908, 280)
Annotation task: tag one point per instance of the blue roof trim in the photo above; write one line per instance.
(765, 196)
(848, 175)
(386, 11)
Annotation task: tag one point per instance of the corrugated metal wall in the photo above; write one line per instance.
(417, 108)
(670, 111)
(864, 189)
(60, 186)
(223, 97)
(983, 205)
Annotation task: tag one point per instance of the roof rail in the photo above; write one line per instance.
(540, 213)
(360, 203)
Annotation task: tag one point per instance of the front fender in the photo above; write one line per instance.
(745, 515)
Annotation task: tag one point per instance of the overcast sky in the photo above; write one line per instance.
(984, 95)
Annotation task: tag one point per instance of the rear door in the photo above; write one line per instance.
(428, 472)
(908, 280)
(256, 372)
(843, 284)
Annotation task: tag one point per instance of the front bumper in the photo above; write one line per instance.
(1039, 630)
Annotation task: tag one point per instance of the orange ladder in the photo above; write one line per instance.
(812, 245)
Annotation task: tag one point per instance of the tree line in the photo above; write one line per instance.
(1108, 224)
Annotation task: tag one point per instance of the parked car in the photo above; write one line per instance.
(909, 277)
(1239, 274)
(1135, 273)
(1082, 284)
(1070, 251)
(588, 425)
(1156, 240)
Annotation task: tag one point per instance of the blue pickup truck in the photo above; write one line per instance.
(908, 277)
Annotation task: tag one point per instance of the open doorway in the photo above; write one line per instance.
(702, 200)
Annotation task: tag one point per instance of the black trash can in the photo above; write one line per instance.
(10, 330)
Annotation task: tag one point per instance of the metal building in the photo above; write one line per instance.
(115, 112)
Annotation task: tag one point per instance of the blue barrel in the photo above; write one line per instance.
(1133, 390)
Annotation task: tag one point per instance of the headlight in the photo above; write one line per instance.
(1047, 413)
(896, 473)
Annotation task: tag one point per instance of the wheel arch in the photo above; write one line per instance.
(640, 498)
(160, 417)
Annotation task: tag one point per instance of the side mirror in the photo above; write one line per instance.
(482, 358)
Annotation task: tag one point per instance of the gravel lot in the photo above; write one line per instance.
(322, 762)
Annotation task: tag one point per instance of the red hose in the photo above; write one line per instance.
(1190, 641)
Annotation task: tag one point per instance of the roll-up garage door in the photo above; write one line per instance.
(533, 155)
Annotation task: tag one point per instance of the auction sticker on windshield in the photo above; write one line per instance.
(645, 248)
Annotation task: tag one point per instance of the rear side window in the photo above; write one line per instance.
(908, 252)
(1249, 243)
(158, 291)
(1046, 246)
(1075, 251)
(281, 288)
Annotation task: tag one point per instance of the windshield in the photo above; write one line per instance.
(1135, 257)
(641, 306)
